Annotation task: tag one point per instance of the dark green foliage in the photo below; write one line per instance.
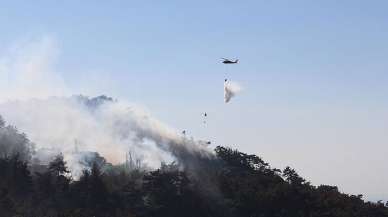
(90, 195)
(52, 189)
(241, 185)
(12, 142)
(16, 186)
(254, 189)
(169, 192)
(58, 166)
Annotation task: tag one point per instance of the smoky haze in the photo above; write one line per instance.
(78, 124)
(35, 98)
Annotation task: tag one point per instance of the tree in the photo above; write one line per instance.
(58, 166)
(292, 177)
(52, 188)
(7, 207)
(12, 142)
(168, 192)
(16, 185)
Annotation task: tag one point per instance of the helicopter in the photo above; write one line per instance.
(227, 61)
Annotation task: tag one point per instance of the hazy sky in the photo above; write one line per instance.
(314, 73)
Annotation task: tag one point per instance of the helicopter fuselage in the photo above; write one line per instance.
(229, 62)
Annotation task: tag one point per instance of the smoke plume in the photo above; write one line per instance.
(78, 124)
(35, 98)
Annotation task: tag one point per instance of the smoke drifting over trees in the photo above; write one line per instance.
(78, 125)
(223, 182)
(14, 143)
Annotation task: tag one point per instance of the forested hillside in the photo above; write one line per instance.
(232, 184)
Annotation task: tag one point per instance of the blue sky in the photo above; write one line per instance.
(314, 73)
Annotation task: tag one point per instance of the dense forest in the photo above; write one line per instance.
(230, 184)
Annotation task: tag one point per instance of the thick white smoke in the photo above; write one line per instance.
(77, 125)
(230, 90)
(33, 98)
